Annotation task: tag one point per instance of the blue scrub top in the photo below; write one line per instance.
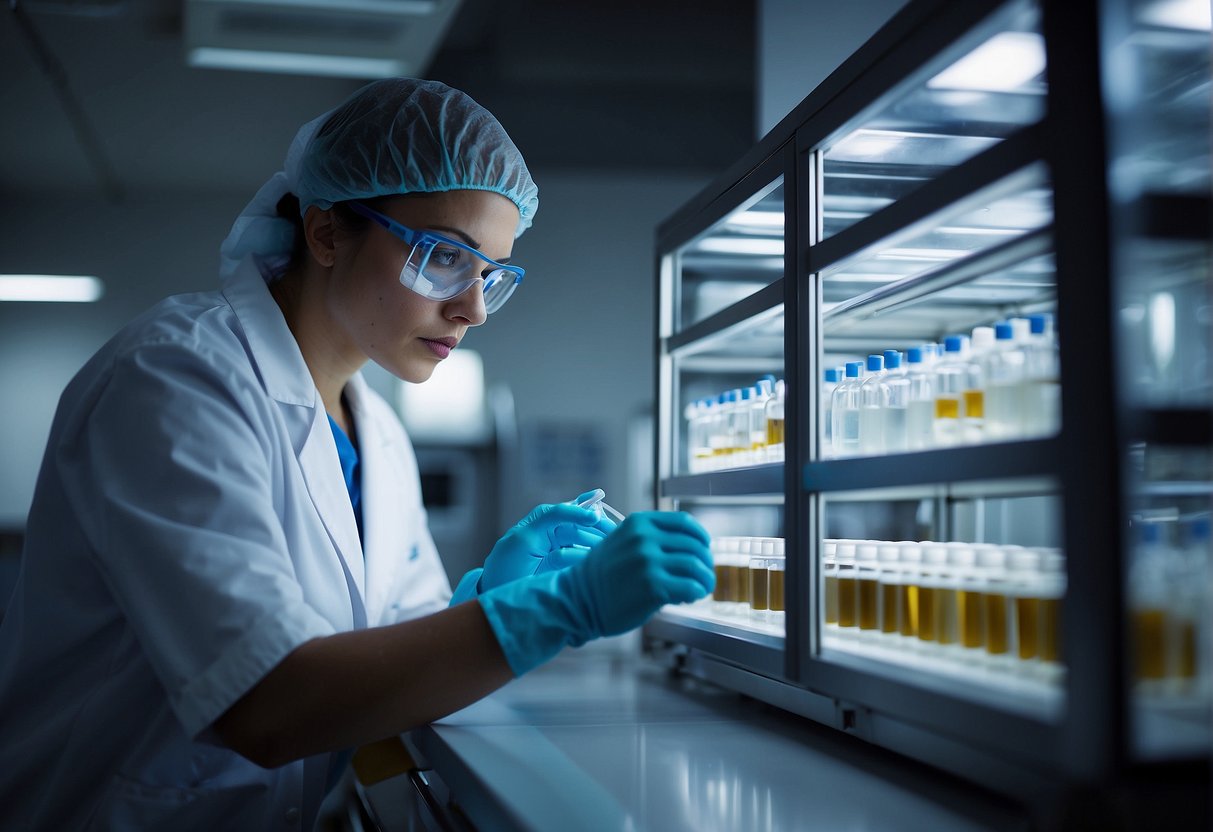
(348, 455)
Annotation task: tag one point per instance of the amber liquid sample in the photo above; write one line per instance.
(947, 616)
(759, 597)
(776, 590)
(996, 624)
(846, 602)
(831, 599)
(867, 604)
(926, 613)
(972, 619)
(975, 401)
(907, 611)
(721, 591)
(1027, 626)
(1150, 643)
(1187, 650)
(947, 408)
(774, 431)
(889, 615)
(1050, 629)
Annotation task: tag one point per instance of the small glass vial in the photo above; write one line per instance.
(773, 412)
(848, 619)
(1023, 590)
(1053, 592)
(775, 576)
(867, 587)
(759, 586)
(909, 554)
(830, 572)
(970, 600)
(889, 558)
(992, 567)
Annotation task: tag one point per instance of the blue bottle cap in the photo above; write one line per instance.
(875, 363)
(1198, 530)
(853, 368)
(914, 355)
(747, 394)
(953, 343)
(1003, 331)
(1039, 322)
(832, 375)
(892, 359)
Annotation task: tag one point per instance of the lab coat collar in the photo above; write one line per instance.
(380, 518)
(283, 370)
(288, 380)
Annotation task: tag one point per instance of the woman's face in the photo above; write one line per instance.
(392, 325)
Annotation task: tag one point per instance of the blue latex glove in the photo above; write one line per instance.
(653, 558)
(551, 537)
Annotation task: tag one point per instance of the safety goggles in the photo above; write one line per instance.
(440, 268)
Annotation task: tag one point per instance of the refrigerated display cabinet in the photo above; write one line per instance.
(1017, 591)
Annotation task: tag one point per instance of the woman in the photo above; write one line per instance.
(227, 577)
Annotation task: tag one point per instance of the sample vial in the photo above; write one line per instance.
(1024, 589)
(774, 409)
(896, 424)
(1003, 372)
(920, 409)
(830, 571)
(951, 375)
(721, 548)
(970, 603)
(1053, 568)
(832, 378)
(867, 586)
(775, 576)
(759, 588)
(888, 554)
(992, 568)
(873, 400)
(847, 593)
(909, 554)
(973, 418)
(845, 410)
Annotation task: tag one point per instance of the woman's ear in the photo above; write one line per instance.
(318, 231)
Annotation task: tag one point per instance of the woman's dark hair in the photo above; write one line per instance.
(347, 221)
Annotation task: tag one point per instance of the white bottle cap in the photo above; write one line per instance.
(781, 547)
(991, 557)
(846, 550)
(983, 338)
(909, 551)
(866, 551)
(888, 552)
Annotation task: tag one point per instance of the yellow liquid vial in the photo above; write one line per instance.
(831, 599)
(947, 408)
(889, 615)
(757, 446)
(846, 602)
(947, 616)
(926, 613)
(774, 431)
(972, 619)
(1150, 643)
(720, 593)
(1027, 627)
(867, 604)
(907, 611)
(996, 624)
(1050, 629)
(776, 590)
(759, 588)
(1187, 650)
(975, 404)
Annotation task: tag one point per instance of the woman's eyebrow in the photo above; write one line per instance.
(463, 236)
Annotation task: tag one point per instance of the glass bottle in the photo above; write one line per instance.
(845, 409)
(833, 377)
(1004, 370)
(896, 425)
(873, 400)
(773, 411)
(951, 376)
(920, 409)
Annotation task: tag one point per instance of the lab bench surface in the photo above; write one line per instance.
(599, 741)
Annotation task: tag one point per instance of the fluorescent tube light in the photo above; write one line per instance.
(50, 287)
(1004, 63)
(298, 63)
(1196, 15)
(740, 245)
(758, 219)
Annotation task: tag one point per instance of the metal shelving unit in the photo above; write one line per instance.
(890, 208)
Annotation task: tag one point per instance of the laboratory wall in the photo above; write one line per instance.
(573, 345)
(801, 43)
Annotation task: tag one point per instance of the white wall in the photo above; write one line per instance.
(575, 343)
(800, 43)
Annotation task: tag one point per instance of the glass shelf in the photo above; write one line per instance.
(963, 103)
(738, 256)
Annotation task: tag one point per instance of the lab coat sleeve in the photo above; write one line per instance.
(172, 474)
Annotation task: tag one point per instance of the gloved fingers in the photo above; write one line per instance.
(677, 522)
(587, 495)
(555, 513)
(563, 558)
(569, 534)
(683, 590)
(689, 566)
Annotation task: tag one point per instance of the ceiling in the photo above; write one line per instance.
(580, 85)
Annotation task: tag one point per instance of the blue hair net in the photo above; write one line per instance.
(396, 136)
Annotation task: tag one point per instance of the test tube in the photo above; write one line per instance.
(992, 566)
(845, 555)
(970, 603)
(888, 555)
(867, 586)
(830, 570)
(775, 575)
(910, 556)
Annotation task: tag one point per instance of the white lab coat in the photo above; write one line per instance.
(190, 528)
